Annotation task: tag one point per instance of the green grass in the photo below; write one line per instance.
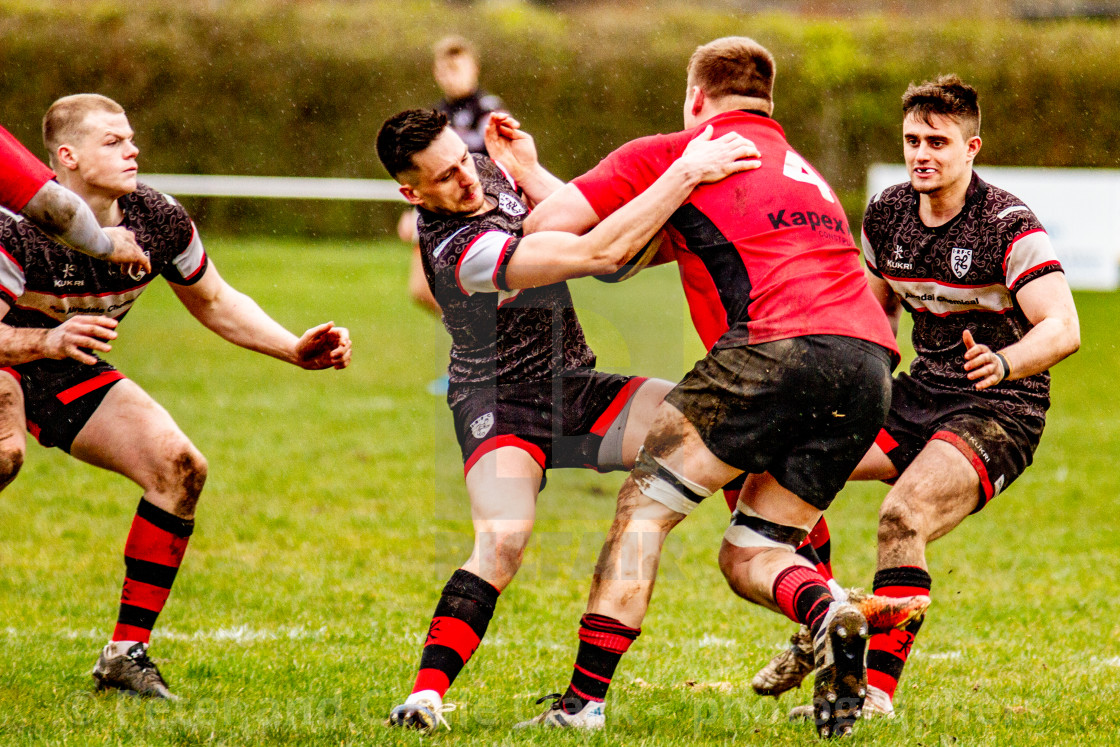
(335, 511)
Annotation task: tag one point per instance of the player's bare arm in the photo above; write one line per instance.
(71, 339)
(513, 148)
(886, 297)
(552, 256)
(566, 209)
(1048, 304)
(66, 218)
(237, 318)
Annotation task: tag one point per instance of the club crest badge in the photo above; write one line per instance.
(510, 206)
(960, 261)
(482, 425)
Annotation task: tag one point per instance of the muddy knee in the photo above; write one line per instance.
(183, 475)
(11, 459)
(898, 523)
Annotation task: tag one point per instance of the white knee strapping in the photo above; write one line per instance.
(745, 531)
(671, 490)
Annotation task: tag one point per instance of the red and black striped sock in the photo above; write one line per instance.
(887, 652)
(152, 554)
(457, 627)
(821, 542)
(602, 642)
(802, 595)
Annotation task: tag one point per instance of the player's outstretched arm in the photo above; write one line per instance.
(66, 218)
(235, 317)
(1048, 304)
(71, 339)
(513, 148)
(549, 257)
(886, 297)
(566, 209)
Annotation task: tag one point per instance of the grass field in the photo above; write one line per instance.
(335, 510)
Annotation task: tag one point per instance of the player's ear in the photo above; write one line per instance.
(65, 157)
(410, 194)
(974, 144)
(698, 100)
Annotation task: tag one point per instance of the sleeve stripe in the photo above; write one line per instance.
(479, 262)
(868, 252)
(1014, 208)
(1028, 250)
(498, 265)
(1052, 263)
(192, 258)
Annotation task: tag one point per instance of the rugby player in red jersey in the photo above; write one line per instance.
(27, 186)
(523, 391)
(992, 314)
(59, 309)
(797, 387)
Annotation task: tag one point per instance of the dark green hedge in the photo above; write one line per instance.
(300, 88)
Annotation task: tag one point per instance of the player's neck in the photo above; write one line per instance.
(939, 207)
(104, 206)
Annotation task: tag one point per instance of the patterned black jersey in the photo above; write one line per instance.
(468, 117)
(962, 275)
(497, 335)
(46, 283)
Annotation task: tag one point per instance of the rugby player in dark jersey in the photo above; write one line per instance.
(992, 314)
(27, 186)
(797, 387)
(524, 394)
(60, 309)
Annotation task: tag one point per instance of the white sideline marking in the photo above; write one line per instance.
(236, 634)
(950, 655)
(711, 641)
(1113, 662)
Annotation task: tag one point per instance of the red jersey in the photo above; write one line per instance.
(21, 173)
(763, 255)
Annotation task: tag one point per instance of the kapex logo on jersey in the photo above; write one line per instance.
(960, 261)
(482, 425)
(510, 206)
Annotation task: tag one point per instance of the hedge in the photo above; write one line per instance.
(300, 88)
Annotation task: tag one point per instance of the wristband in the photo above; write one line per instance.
(1006, 366)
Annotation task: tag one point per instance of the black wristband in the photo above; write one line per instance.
(1006, 366)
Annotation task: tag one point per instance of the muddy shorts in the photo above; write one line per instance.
(804, 409)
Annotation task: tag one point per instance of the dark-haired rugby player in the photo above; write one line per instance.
(992, 314)
(60, 308)
(524, 393)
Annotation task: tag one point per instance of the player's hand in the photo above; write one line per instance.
(127, 253)
(325, 346)
(711, 160)
(981, 363)
(68, 339)
(509, 145)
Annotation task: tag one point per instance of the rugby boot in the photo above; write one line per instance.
(884, 614)
(787, 669)
(589, 717)
(131, 672)
(423, 714)
(840, 684)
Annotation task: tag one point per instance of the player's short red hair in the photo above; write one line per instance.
(63, 121)
(733, 66)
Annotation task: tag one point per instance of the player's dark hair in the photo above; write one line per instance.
(405, 134)
(948, 96)
(733, 66)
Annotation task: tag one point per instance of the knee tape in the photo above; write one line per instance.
(748, 529)
(657, 482)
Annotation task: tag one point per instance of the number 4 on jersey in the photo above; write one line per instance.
(796, 168)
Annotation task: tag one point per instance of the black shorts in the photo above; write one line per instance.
(805, 409)
(59, 397)
(559, 422)
(999, 445)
